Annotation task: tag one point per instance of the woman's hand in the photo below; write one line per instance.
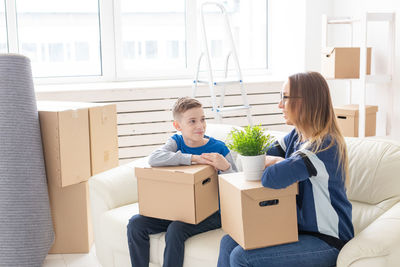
(271, 160)
(216, 160)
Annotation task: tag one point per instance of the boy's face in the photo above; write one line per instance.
(192, 125)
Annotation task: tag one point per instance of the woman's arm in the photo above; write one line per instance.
(288, 171)
(276, 150)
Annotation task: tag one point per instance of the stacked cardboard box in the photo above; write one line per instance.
(343, 62)
(347, 119)
(79, 140)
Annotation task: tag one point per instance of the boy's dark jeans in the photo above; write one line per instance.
(140, 227)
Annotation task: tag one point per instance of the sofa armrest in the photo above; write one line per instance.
(116, 187)
(109, 190)
(378, 242)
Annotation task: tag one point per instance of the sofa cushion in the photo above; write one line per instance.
(374, 170)
(374, 185)
(114, 226)
(203, 249)
(364, 213)
(200, 250)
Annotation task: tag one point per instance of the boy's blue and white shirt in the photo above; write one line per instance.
(175, 152)
(322, 204)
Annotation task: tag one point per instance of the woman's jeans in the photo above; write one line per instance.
(309, 251)
(140, 227)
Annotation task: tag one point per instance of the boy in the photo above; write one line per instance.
(192, 146)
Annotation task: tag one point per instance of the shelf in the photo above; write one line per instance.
(341, 20)
(364, 79)
(380, 16)
(381, 78)
(369, 16)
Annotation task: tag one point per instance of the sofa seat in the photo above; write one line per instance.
(202, 249)
(374, 191)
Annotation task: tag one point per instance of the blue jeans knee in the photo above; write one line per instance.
(176, 232)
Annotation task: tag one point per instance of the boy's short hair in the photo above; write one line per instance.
(183, 104)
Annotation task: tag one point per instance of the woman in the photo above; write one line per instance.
(314, 155)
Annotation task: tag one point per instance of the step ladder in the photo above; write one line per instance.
(220, 109)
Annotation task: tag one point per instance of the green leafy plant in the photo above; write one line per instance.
(251, 141)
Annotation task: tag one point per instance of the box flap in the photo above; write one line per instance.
(179, 174)
(103, 137)
(51, 147)
(74, 146)
(254, 189)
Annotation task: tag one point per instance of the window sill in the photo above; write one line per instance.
(264, 79)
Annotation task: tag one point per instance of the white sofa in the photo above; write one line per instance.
(374, 191)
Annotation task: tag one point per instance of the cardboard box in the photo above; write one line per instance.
(180, 193)
(255, 216)
(79, 140)
(70, 210)
(103, 135)
(343, 62)
(347, 118)
(65, 137)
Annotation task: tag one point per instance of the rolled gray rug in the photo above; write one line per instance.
(26, 230)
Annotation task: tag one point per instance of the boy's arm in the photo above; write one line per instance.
(233, 167)
(167, 155)
(219, 162)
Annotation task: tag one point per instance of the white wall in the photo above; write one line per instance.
(314, 11)
(286, 27)
(385, 96)
(295, 34)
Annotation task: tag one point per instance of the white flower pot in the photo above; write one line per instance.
(253, 167)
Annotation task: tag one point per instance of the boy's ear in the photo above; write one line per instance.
(176, 125)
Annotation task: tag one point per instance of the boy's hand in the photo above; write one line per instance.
(271, 160)
(199, 160)
(216, 160)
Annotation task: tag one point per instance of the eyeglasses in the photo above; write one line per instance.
(284, 97)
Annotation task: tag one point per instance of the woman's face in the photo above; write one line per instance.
(284, 105)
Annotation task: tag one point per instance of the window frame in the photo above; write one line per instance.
(110, 40)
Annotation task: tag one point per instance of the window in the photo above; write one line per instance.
(151, 49)
(129, 39)
(82, 51)
(173, 49)
(56, 52)
(248, 23)
(30, 50)
(129, 50)
(56, 26)
(152, 23)
(3, 28)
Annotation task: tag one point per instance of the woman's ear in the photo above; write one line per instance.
(176, 125)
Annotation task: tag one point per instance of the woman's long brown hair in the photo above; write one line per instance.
(315, 115)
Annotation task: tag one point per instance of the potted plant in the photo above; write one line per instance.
(251, 144)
